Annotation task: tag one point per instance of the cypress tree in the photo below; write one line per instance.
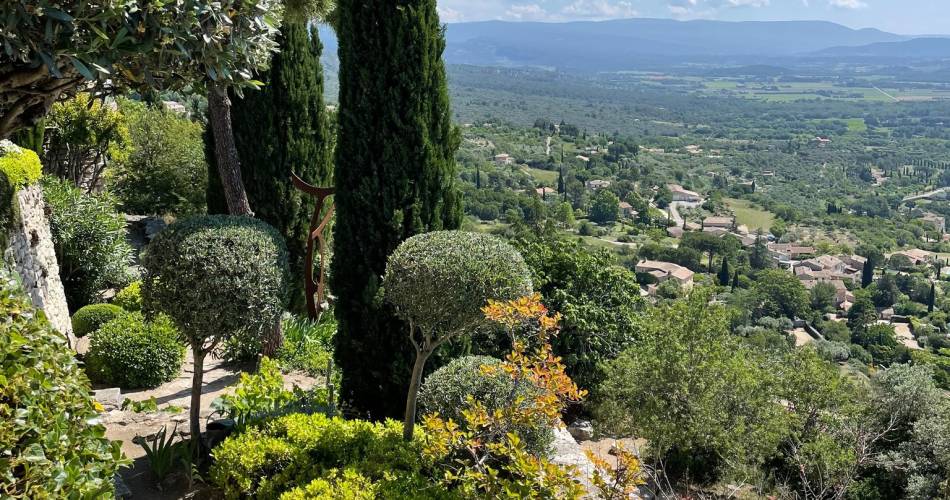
(867, 273)
(724, 274)
(932, 299)
(735, 280)
(284, 128)
(560, 180)
(395, 177)
(478, 177)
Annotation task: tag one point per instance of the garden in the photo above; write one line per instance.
(215, 285)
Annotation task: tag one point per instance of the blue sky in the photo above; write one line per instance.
(910, 17)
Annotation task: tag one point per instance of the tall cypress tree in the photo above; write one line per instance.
(867, 273)
(395, 177)
(284, 128)
(724, 274)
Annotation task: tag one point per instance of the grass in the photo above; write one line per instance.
(857, 125)
(750, 216)
(546, 177)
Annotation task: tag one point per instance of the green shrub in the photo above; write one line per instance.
(132, 353)
(52, 445)
(21, 166)
(18, 167)
(90, 318)
(446, 390)
(350, 485)
(130, 297)
(165, 171)
(89, 237)
(217, 277)
(294, 450)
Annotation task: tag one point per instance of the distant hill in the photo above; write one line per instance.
(617, 45)
(918, 48)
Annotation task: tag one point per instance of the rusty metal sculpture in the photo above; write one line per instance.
(316, 288)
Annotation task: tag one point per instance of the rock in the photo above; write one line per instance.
(581, 430)
(121, 489)
(109, 397)
(567, 452)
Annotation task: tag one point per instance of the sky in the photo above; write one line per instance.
(907, 17)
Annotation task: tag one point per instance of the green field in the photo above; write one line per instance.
(546, 177)
(750, 216)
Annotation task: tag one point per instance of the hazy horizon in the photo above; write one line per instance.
(904, 17)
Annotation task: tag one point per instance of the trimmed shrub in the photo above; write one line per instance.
(130, 297)
(439, 282)
(217, 277)
(295, 450)
(446, 390)
(52, 445)
(90, 318)
(89, 237)
(132, 353)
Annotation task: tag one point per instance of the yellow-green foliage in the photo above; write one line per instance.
(21, 166)
(307, 451)
(130, 297)
(18, 167)
(51, 443)
(350, 485)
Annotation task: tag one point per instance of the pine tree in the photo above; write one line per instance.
(284, 128)
(394, 174)
(724, 274)
(867, 273)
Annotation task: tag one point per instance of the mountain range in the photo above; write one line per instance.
(644, 43)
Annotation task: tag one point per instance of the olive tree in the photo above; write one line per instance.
(438, 283)
(216, 277)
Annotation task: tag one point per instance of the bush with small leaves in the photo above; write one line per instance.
(53, 445)
(132, 353)
(446, 392)
(90, 318)
(130, 297)
(294, 450)
(217, 277)
(438, 282)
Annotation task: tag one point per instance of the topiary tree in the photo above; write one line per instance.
(90, 318)
(216, 277)
(438, 283)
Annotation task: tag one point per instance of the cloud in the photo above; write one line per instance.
(708, 9)
(599, 9)
(848, 4)
(449, 15)
(526, 12)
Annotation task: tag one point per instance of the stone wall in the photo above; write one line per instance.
(31, 249)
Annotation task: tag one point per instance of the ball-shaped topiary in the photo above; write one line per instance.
(216, 276)
(90, 318)
(446, 390)
(439, 282)
(132, 353)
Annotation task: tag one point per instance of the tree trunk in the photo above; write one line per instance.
(274, 340)
(409, 422)
(225, 151)
(196, 382)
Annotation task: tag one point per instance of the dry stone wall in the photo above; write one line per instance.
(31, 250)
